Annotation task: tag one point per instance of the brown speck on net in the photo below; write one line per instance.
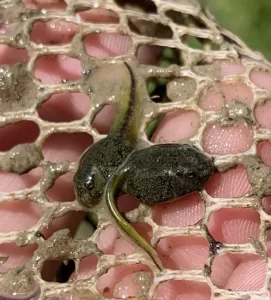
(218, 98)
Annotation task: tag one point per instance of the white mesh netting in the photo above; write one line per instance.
(217, 95)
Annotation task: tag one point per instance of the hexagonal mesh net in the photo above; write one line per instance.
(212, 81)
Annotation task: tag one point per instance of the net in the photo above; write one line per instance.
(197, 50)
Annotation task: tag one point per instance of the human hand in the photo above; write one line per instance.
(228, 225)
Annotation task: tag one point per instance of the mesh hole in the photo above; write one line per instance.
(63, 190)
(11, 182)
(233, 183)
(176, 126)
(147, 6)
(110, 242)
(185, 211)
(99, 16)
(262, 114)
(219, 140)
(86, 267)
(103, 45)
(60, 147)
(19, 133)
(3, 29)
(230, 40)
(150, 29)
(64, 272)
(158, 55)
(192, 42)
(53, 32)
(176, 252)
(266, 202)
(65, 107)
(149, 54)
(103, 120)
(120, 281)
(185, 19)
(10, 55)
(214, 98)
(54, 69)
(70, 220)
(17, 256)
(127, 203)
(157, 89)
(264, 152)
(234, 225)
(234, 272)
(23, 213)
(261, 78)
(57, 271)
(199, 43)
(231, 67)
(183, 289)
(153, 125)
(177, 17)
(40, 4)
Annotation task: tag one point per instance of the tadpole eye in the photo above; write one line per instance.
(185, 173)
(89, 184)
(190, 174)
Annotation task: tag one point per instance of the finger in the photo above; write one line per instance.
(17, 256)
(248, 275)
(65, 107)
(55, 32)
(176, 251)
(110, 242)
(168, 132)
(183, 290)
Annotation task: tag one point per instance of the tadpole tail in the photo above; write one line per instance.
(129, 106)
(126, 227)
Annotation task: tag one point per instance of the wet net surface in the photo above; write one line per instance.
(216, 86)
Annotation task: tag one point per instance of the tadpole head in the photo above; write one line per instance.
(89, 185)
(203, 170)
(196, 169)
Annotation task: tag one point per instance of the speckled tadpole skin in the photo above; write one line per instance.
(156, 174)
(165, 172)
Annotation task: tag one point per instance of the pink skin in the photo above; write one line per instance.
(236, 272)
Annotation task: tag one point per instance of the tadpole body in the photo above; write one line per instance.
(165, 172)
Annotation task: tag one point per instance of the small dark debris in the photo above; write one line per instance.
(150, 29)
(214, 245)
(207, 270)
(106, 290)
(39, 234)
(185, 19)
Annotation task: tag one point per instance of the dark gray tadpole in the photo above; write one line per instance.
(162, 173)
(157, 174)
